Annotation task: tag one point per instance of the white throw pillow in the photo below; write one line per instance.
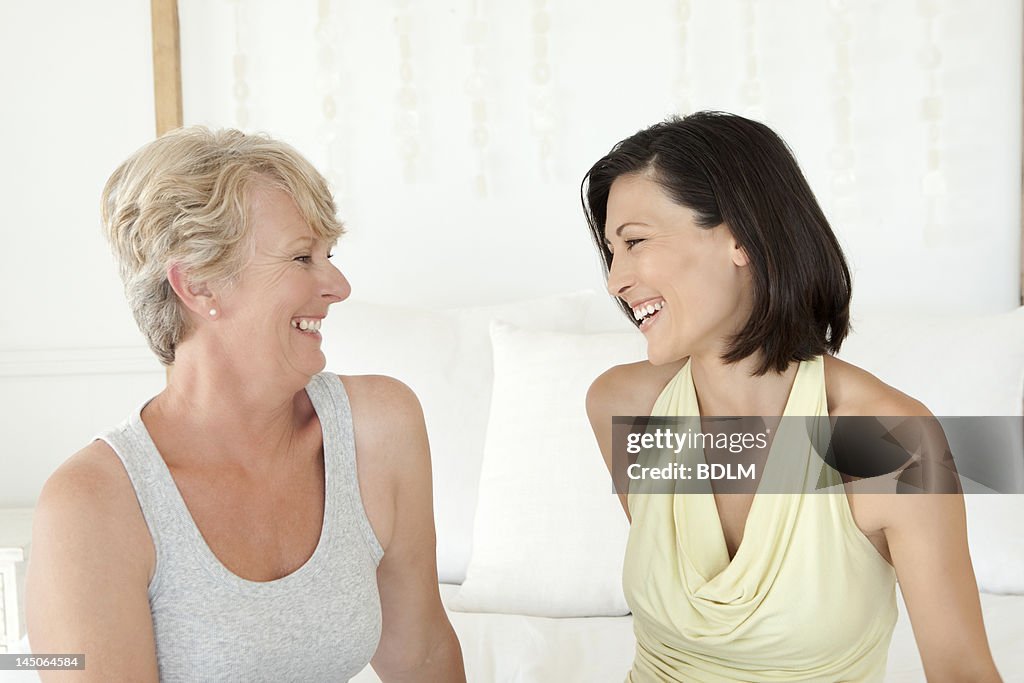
(549, 534)
(445, 357)
(961, 366)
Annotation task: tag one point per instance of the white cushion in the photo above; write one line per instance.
(962, 366)
(549, 534)
(955, 365)
(445, 357)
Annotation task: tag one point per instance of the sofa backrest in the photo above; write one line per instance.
(956, 366)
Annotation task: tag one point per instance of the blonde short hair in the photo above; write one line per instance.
(183, 198)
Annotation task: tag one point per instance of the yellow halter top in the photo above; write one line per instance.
(806, 597)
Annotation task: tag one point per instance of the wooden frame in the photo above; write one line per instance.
(166, 70)
(166, 65)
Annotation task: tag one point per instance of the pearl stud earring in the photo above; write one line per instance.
(213, 312)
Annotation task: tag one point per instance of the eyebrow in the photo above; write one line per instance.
(618, 230)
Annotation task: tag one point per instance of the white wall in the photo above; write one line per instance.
(617, 67)
(77, 99)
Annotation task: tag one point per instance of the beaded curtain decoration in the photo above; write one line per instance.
(476, 91)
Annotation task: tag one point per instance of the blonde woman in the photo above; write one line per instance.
(258, 519)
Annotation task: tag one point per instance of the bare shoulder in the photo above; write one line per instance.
(381, 390)
(90, 498)
(86, 475)
(392, 452)
(853, 391)
(629, 389)
(92, 563)
(383, 408)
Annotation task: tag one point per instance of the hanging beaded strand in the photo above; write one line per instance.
(751, 89)
(407, 125)
(933, 185)
(333, 112)
(476, 33)
(542, 105)
(241, 86)
(682, 85)
(841, 156)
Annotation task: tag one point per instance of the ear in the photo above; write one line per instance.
(738, 254)
(196, 296)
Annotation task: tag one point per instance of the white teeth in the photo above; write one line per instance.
(304, 325)
(313, 325)
(641, 312)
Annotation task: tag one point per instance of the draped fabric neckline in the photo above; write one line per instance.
(714, 565)
(728, 590)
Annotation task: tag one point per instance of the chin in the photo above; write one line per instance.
(319, 366)
(310, 367)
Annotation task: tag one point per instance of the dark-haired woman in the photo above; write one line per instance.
(714, 243)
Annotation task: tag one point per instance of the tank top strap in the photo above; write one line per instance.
(330, 401)
(166, 517)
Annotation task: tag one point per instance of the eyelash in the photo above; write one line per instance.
(630, 244)
(308, 258)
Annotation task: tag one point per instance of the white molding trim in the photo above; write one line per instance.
(96, 360)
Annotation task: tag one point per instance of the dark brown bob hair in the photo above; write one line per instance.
(729, 169)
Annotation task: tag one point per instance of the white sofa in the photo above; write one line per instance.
(516, 469)
(515, 464)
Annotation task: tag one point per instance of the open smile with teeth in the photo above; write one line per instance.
(646, 313)
(307, 325)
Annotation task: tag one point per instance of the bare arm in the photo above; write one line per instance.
(927, 538)
(89, 572)
(417, 641)
(601, 408)
(624, 390)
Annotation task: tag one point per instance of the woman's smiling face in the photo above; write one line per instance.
(288, 284)
(694, 279)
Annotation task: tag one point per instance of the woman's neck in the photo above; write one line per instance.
(733, 389)
(235, 414)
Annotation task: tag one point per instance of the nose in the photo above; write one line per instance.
(335, 285)
(620, 277)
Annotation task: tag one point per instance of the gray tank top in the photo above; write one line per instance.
(320, 623)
